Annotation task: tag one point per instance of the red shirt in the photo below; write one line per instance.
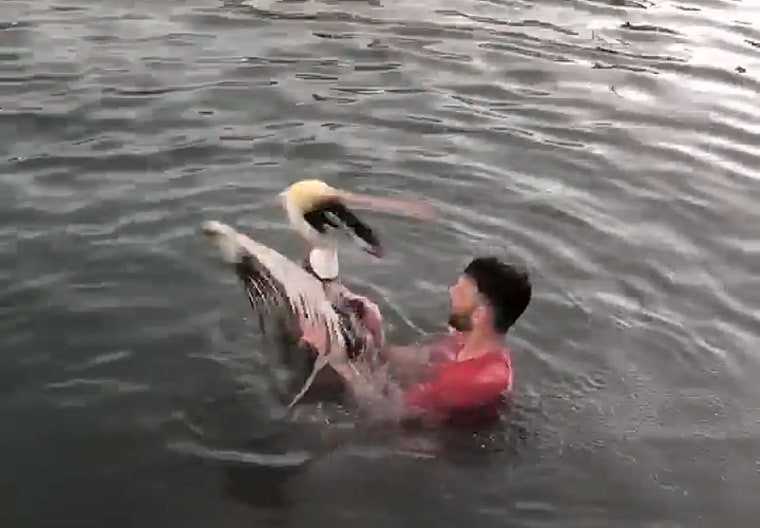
(470, 389)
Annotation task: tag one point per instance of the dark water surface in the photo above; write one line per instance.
(613, 146)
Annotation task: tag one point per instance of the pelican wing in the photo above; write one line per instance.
(271, 279)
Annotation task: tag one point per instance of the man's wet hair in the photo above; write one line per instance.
(507, 287)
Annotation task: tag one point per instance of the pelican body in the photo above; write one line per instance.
(272, 280)
(318, 213)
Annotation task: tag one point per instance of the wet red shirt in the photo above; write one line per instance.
(467, 390)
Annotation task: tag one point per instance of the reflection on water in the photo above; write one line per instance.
(259, 471)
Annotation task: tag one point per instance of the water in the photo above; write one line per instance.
(612, 146)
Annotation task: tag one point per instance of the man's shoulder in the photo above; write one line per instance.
(504, 352)
(497, 357)
(500, 360)
(492, 367)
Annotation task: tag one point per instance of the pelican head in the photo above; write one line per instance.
(317, 212)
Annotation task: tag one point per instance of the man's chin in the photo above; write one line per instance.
(459, 323)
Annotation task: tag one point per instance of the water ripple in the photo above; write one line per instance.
(610, 145)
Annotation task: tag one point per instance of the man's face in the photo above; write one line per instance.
(463, 297)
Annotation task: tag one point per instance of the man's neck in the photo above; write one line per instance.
(479, 342)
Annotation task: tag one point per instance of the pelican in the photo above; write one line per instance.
(319, 213)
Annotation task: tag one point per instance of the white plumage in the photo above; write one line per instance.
(316, 211)
(273, 279)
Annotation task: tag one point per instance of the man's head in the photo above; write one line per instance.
(489, 294)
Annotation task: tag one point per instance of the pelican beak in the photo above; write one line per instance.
(396, 206)
(367, 240)
(376, 251)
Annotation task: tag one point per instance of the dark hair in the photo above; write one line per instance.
(506, 286)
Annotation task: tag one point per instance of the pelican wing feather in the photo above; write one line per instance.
(271, 279)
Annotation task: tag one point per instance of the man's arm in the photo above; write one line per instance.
(373, 320)
(457, 386)
(405, 356)
(414, 356)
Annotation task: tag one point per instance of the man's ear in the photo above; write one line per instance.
(480, 313)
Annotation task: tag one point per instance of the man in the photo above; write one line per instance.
(466, 375)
